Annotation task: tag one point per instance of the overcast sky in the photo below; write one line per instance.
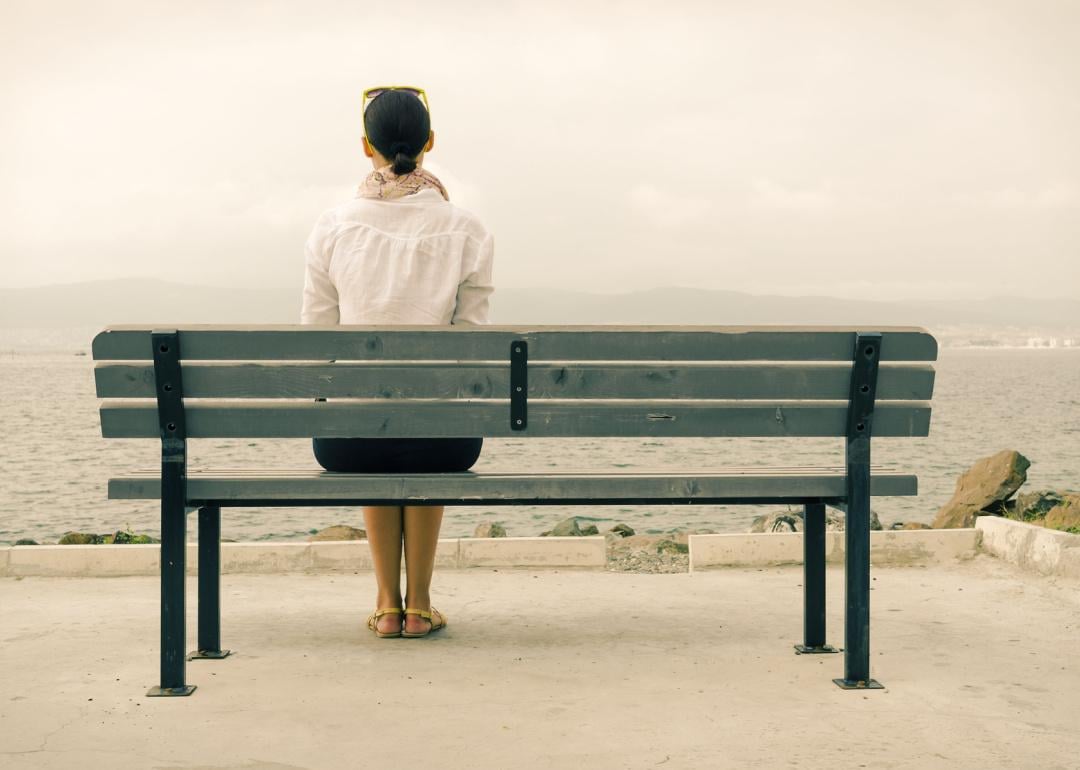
(876, 149)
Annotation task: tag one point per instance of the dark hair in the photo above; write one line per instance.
(397, 124)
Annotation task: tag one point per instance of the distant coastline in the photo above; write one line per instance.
(1000, 323)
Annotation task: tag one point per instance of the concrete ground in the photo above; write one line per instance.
(550, 669)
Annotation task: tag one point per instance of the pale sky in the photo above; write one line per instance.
(883, 150)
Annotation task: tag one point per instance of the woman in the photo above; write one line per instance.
(399, 253)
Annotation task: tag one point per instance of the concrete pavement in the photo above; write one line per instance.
(549, 669)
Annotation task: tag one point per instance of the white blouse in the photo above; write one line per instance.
(413, 260)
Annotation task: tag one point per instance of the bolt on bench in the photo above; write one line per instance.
(499, 381)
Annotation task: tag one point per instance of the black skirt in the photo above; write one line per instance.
(397, 455)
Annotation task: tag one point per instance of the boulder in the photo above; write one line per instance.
(338, 532)
(123, 537)
(986, 485)
(489, 529)
(778, 521)
(622, 530)
(79, 538)
(1065, 516)
(792, 521)
(25, 541)
(910, 525)
(565, 528)
(590, 529)
(1029, 506)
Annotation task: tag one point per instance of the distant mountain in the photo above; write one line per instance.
(139, 300)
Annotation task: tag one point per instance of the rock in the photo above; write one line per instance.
(338, 532)
(489, 529)
(1029, 506)
(79, 538)
(778, 521)
(792, 521)
(126, 538)
(989, 482)
(834, 519)
(665, 546)
(590, 529)
(1065, 516)
(622, 530)
(565, 528)
(26, 541)
(909, 525)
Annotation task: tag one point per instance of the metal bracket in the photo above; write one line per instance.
(519, 385)
(167, 692)
(170, 395)
(864, 684)
(864, 371)
(825, 649)
(208, 654)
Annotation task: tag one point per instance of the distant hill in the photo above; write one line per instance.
(138, 300)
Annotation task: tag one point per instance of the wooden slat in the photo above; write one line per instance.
(385, 418)
(505, 488)
(491, 343)
(831, 381)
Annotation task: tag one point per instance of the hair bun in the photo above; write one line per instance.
(403, 164)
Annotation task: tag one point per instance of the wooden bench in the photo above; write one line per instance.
(496, 381)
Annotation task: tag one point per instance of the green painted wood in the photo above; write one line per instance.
(551, 343)
(390, 418)
(830, 381)
(507, 488)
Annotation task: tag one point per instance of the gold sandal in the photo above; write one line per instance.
(373, 622)
(426, 615)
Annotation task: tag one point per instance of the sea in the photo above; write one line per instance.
(54, 464)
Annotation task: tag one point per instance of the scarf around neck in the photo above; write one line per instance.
(384, 183)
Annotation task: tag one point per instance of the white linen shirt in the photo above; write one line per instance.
(417, 259)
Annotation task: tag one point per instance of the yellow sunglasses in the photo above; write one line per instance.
(371, 93)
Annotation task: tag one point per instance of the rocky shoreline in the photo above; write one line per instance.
(989, 488)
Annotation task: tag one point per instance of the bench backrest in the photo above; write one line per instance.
(263, 381)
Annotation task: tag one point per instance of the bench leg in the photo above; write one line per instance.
(814, 582)
(173, 567)
(857, 579)
(209, 586)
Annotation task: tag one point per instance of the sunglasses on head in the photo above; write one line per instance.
(371, 93)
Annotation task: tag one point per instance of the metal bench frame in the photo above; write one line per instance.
(175, 505)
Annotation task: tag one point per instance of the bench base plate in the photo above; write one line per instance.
(208, 654)
(852, 684)
(169, 692)
(825, 649)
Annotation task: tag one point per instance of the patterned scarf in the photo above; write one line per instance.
(384, 183)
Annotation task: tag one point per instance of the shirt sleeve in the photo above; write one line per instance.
(476, 287)
(320, 304)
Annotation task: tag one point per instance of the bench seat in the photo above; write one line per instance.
(766, 485)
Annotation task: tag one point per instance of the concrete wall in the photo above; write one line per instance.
(1034, 548)
(897, 548)
(451, 553)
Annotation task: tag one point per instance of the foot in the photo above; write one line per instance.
(414, 624)
(389, 623)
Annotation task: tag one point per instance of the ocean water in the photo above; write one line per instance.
(54, 464)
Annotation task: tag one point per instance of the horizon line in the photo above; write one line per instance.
(984, 298)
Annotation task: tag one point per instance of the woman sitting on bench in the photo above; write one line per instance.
(398, 253)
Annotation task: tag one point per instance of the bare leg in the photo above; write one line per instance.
(384, 530)
(422, 523)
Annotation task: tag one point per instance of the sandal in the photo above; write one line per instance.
(373, 622)
(427, 616)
